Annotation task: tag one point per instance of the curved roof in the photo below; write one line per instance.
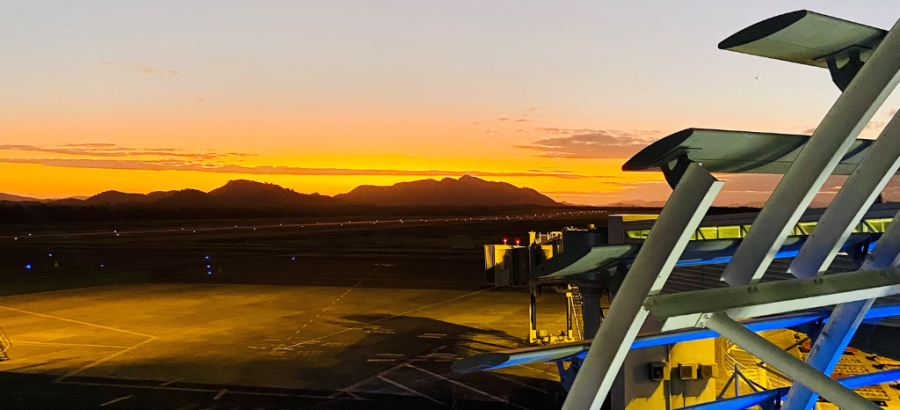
(723, 151)
(805, 37)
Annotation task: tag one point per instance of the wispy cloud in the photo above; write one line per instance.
(592, 144)
(102, 149)
(153, 70)
(176, 165)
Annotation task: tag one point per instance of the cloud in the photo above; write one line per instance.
(179, 165)
(522, 120)
(199, 99)
(595, 144)
(152, 70)
(103, 149)
(104, 62)
(503, 119)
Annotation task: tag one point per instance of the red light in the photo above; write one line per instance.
(504, 241)
(517, 241)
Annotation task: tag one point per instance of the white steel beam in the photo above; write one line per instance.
(844, 320)
(678, 220)
(791, 366)
(686, 309)
(850, 204)
(837, 131)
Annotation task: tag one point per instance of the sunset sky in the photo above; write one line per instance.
(322, 96)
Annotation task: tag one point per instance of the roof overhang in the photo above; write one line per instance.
(724, 151)
(805, 37)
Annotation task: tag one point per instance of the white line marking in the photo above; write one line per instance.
(465, 386)
(221, 393)
(116, 400)
(410, 390)
(355, 385)
(396, 316)
(518, 382)
(110, 357)
(249, 393)
(74, 321)
(170, 382)
(19, 342)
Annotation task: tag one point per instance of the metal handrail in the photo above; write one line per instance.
(731, 362)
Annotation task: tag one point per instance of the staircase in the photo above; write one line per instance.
(4, 345)
(576, 302)
(749, 367)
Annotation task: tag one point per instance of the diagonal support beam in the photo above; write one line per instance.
(850, 204)
(793, 367)
(678, 220)
(844, 320)
(750, 400)
(837, 131)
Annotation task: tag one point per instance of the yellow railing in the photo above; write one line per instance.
(877, 225)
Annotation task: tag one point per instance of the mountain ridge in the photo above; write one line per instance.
(467, 191)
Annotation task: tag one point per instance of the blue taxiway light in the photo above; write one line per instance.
(207, 266)
(207, 257)
(50, 255)
(293, 258)
(27, 266)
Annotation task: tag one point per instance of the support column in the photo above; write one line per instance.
(815, 163)
(791, 366)
(850, 204)
(844, 320)
(670, 235)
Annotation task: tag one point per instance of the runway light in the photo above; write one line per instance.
(27, 266)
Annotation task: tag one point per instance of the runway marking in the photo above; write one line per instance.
(221, 393)
(334, 302)
(409, 390)
(396, 316)
(110, 357)
(19, 342)
(116, 400)
(170, 382)
(196, 390)
(518, 382)
(75, 321)
(355, 385)
(465, 386)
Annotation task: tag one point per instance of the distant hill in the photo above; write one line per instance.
(449, 192)
(16, 198)
(637, 203)
(466, 191)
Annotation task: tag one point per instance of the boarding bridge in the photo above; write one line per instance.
(627, 364)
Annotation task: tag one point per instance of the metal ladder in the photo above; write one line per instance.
(575, 308)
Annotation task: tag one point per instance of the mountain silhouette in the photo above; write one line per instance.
(465, 191)
(250, 199)
(16, 198)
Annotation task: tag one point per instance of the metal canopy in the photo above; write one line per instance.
(724, 151)
(805, 37)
